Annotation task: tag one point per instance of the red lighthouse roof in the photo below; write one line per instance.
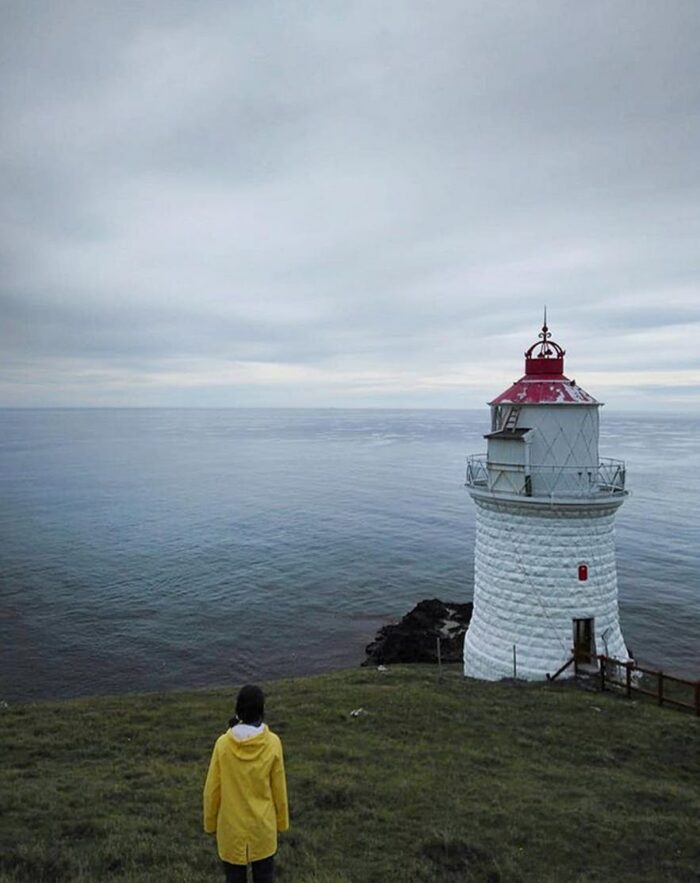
(544, 382)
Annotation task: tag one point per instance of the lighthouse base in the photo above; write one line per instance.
(531, 609)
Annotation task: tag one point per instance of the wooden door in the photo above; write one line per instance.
(584, 643)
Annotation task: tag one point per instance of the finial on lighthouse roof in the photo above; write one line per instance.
(549, 358)
(544, 382)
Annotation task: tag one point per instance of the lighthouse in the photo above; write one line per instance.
(545, 578)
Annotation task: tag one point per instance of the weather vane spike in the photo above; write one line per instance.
(544, 346)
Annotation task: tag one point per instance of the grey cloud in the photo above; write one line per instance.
(372, 189)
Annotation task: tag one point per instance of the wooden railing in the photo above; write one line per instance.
(667, 690)
(670, 689)
(561, 670)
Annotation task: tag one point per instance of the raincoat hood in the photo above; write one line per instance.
(249, 749)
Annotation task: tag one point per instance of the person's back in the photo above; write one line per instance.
(245, 794)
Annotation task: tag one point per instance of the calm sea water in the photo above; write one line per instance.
(158, 549)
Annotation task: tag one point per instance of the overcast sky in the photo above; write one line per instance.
(347, 203)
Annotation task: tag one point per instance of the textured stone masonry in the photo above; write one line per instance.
(527, 592)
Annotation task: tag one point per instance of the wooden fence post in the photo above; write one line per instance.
(628, 679)
(697, 698)
(602, 674)
(661, 688)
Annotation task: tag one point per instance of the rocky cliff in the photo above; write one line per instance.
(414, 638)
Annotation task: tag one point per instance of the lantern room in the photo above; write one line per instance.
(544, 434)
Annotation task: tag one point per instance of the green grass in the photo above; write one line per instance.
(440, 781)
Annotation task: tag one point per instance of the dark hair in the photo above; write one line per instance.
(250, 706)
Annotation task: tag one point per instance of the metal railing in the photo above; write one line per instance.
(477, 471)
(607, 478)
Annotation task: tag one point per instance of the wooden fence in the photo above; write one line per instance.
(629, 677)
(670, 689)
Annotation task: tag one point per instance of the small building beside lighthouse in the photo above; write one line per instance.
(545, 577)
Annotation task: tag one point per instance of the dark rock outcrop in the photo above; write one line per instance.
(414, 638)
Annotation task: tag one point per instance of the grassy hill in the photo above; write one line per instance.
(448, 780)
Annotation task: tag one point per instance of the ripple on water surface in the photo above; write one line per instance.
(145, 550)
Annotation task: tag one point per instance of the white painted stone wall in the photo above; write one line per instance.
(526, 587)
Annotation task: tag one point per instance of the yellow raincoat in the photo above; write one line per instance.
(245, 796)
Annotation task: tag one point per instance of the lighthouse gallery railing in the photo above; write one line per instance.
(607, 478)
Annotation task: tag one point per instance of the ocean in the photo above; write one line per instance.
(156, 549)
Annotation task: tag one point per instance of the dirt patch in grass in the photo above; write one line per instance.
(81, 830)
(38, 868)
(334, 797)
(458, 859)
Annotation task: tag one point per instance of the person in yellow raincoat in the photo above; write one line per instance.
(245, 794)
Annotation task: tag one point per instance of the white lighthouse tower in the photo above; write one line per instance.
(545, 578)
